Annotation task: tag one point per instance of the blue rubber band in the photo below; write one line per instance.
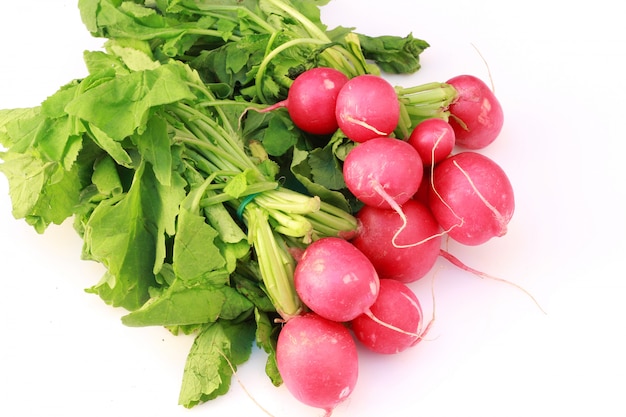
(244, 203)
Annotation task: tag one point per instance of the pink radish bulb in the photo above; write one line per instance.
(405, 256)
(476, 114)
(471, 197)
(397, 306)
(336, 280)
(383, 171)
(317, 359)
(433, 139)
(312, 98)
(367, 107)
(424, 189)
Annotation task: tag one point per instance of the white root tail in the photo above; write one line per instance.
(432, 186)
(459, 264)
(498, 216)
(493, 86)
(420, 334)
(234, 371)
(396, 207)
(369, 127)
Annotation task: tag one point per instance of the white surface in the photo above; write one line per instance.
(558, 70)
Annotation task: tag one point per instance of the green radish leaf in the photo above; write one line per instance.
(216, 351)
(120, 106)
(196, 256)
(127, 235)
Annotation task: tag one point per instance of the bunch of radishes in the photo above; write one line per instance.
(414, 191)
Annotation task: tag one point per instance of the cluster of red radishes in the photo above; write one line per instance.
(414, 191)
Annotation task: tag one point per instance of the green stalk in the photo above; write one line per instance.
(354, 54)
(432, 93)
(327, 224)
(422, 102)
(338, 57)
(237, 10)
(199, 161)
(349, 61)
(173, 32)
(215, 105)
(309, 26)
(256, 188)
(321, 229)
(426, 112)
(275, 263)
(404, 124)
(211, 131)
(258, 78)
(339, 214)
(288, 201)
(293, 225)
(221, 160)
(209, 32)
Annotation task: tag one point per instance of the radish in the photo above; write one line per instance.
(397, 306)
(476, 114)
(336, 280)
(311, 100)
(424, 189)
(367, 107)
(433, 139)
(383, 172)
(406, 256)
(471, 197)
(317, 359)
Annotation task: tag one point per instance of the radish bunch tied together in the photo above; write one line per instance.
(247, 175)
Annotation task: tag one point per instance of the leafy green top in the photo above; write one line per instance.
(194, 203)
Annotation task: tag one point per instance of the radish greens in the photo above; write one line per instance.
(194, 210)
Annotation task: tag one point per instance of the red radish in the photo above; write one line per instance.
(317, 359)
(476, 114)
(471, 197)
(383, 172)
(397, 306)
(406, 256)
(433, 139)
(367, 107)
(312, 98)
(424, 189)
(336, 280)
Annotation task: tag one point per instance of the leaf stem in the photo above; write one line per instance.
(275, 263)
(309, 26)
(258, 79)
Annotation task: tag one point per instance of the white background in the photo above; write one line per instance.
(558, 68)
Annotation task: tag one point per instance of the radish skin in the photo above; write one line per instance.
(318, 361)
(408, 256)
(397, 306)
(434, 140)
(336, 280)
(423, 191)
(367, 107)
(476, 114)
(383, 171)
(471, 197)
(311, 100)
